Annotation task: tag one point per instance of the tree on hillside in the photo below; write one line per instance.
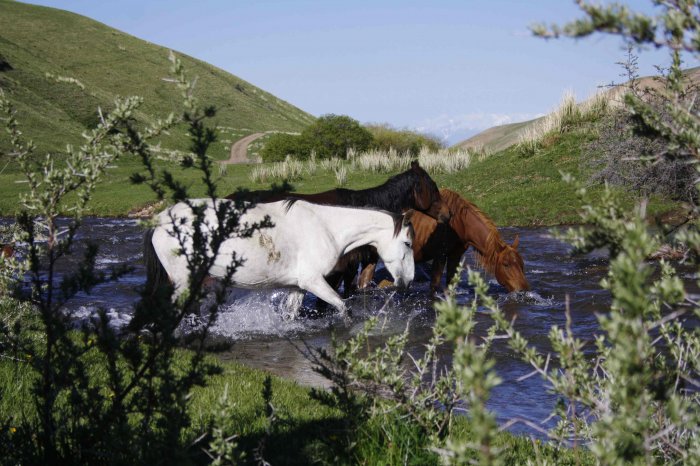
(403, 141)
(280, 145)
(332, 136)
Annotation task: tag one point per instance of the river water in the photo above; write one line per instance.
(261, 338)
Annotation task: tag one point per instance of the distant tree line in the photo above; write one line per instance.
(333, 135)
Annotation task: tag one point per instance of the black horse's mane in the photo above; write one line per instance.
(395, 195)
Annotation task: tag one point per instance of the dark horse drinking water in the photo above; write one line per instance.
(412, 189)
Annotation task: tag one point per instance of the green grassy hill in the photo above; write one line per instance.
(37, 40)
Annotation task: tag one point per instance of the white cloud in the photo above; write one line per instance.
(453, 128)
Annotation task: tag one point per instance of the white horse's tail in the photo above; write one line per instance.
(156, 276)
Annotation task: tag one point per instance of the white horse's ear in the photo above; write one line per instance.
(516, 241)
(407, 216)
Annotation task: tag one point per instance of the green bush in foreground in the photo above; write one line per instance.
(96, 396)
(633, 398)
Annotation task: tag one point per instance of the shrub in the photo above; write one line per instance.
(628, 154)
(403, 141)
(631, 397)
(100, 397)
(620, 156)
(280, 145)
(333, 135)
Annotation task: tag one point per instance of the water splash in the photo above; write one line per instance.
(527, 297)
(250, 313)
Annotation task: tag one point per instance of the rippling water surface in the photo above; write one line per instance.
(261, 338)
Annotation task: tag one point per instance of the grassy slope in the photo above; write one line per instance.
(37, 40)
(518, 190)
(511, 188)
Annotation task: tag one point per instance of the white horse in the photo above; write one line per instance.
(300, 249)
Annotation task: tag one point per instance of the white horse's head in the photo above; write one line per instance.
(397, 252)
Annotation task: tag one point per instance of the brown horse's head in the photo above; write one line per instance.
(509, 268)
(476, 229)
(427, 196)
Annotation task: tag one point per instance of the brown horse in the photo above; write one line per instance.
(468, 227)
(445, 244)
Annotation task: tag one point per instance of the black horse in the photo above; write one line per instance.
(412, 189)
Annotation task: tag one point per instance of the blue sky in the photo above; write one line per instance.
(452, 68)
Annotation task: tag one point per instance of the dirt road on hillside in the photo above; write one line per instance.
(239, 149)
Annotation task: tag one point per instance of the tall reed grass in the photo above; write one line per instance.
(372, 161)
(567, 115)
(290, 169)
(341, 175)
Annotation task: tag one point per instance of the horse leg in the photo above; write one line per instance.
(453, 260)
(369, 261)
(333, 279)
(436, 277)
(348, 280)
(323, 290)
(366, 275)
(292, 304)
